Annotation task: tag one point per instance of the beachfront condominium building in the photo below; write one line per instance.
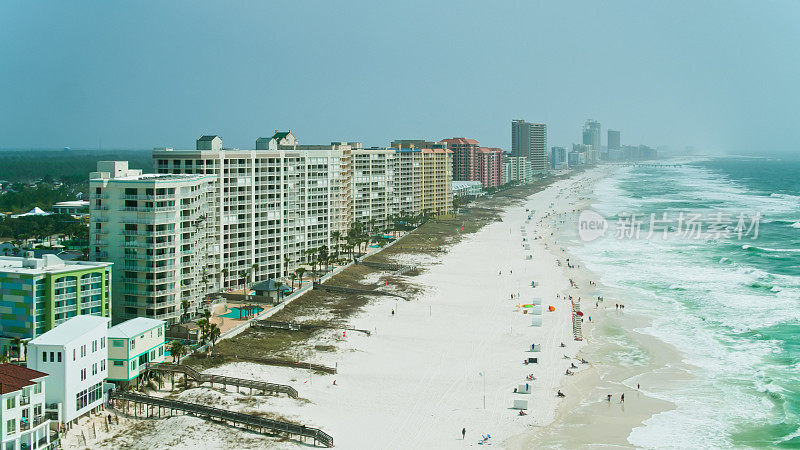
(558, 157)
(40, 293)
(269, 205)
(248, 215)
(529, 140)
(464, 158)
(519, 169)
(161, 233)
(23, 424)
(74, 354)
(474, 163)
(591, 133)
(613, 140)
(131, 345)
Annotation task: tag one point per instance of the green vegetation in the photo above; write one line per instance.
(70, 167)
(42, 227)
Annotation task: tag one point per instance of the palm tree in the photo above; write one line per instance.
(322, 256)
(243, 276)
(224, 276)
(254, 269)
(176, 350)
(286, 261)
(300, 271)
(203, 324)
(293, 276)
(185, 306)
(214, 333)
(279, 289)
(335, 236)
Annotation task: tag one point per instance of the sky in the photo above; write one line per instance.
(717, 75)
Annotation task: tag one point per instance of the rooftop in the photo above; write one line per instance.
(207, 137)
(460, 141)
(70, 330)
(45, 264)
(134, 327)
(14, 377)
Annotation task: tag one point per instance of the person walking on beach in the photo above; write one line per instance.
(609, 398)
(463, 433)
(622, 398)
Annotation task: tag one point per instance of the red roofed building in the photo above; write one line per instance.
(22, 402)
(490, 166)
(474, 163)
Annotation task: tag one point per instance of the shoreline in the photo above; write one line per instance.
(448, 359)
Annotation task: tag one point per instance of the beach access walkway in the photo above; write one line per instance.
(156, 406)
(188, 372)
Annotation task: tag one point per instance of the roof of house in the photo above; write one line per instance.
(70, 330)
(207, 137)
(134, 327)
(14, 377)
(269, 285)
(281, 134)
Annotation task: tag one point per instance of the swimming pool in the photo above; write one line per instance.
(238, 313)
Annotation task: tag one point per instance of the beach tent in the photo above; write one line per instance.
(536, 310)
(536, 321)
(530, 257)
(536, 301)
(524, 389)
(520, 404)
(536, 348)
(532, 361)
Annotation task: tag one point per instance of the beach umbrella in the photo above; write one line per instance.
(580, 313)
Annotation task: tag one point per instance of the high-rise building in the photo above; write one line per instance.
(519, 169)
(558, 157)
(465, 165)
(161, 231)
(613, 140)
(474, 163)
(529, 140)
(591, 133)
(216, 218)
(41, 293)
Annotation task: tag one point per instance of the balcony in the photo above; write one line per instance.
(24, 400)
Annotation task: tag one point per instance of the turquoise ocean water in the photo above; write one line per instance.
(731, 305)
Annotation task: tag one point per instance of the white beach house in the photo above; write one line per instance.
(22, 421)
(131, 345)
(74, 355)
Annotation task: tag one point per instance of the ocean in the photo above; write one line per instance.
(726, 295)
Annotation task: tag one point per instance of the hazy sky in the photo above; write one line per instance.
(715, 74)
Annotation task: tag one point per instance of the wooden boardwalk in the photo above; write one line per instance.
(253, 385)
(156, 406)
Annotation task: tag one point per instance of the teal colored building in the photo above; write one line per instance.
(37, 294)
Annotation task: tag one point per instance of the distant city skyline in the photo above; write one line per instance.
(154, 74)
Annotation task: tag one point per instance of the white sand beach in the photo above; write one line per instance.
(448, 360)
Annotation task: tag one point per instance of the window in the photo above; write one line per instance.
(102, 364)
(37, 410)
(59, 356)
(94, 345)
(119, 363)
(160, 330)
(94, 369)
(11, 426)
(133, 364)
(133, 343)
(118, 343)
(83, 374)
(74, 354)
(83, 350)
(52, 357)
(102, 342)
(37, 389)
(11, 402)
(44, 356)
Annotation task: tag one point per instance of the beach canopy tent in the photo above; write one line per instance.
(536, 301)
(536, 347)
(520, 404)
(530, 257)
(536, 310)
(524, 389)
(536, 322)
(533, 283)
(36, 211)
